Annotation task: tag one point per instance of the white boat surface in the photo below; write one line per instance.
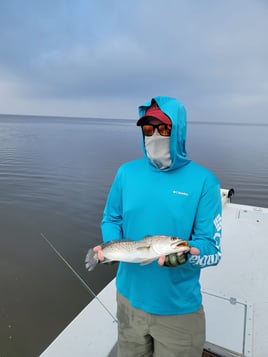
(235, 297)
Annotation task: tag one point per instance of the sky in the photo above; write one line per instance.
(104, 58)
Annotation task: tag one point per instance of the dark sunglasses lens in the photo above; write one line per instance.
(164, 130)
(148, 130)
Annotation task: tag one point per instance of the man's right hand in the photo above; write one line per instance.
(98, 250)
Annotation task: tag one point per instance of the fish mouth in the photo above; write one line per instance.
(183, 244)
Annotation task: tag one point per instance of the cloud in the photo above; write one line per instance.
(210, 54)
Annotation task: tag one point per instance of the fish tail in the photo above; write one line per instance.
(91, 260)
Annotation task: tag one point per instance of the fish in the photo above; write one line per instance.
(143, 251)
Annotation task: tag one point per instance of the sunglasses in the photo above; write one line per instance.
(149, 129)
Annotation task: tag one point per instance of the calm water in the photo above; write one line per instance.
(55, 174)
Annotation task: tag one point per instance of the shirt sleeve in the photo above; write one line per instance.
(111, 224)
(207, 229)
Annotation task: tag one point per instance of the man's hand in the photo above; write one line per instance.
(173, 260)
(194, 251)
(98, 250)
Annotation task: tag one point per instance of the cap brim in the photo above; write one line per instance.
(163, 118)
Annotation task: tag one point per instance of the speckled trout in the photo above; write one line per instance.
(143, 251)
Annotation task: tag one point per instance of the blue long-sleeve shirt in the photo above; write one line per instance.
(182, 200)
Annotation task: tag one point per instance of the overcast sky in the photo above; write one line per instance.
(102, 58)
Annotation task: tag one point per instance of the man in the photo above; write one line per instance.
(160, 307)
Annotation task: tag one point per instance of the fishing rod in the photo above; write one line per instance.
(82, 281)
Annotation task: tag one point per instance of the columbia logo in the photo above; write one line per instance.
(175, 192)
(218, 222)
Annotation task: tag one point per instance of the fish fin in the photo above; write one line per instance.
(108, 261)
(148, 261)
(91, 260)
(111, 242)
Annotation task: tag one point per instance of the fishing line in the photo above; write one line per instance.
(82, 281)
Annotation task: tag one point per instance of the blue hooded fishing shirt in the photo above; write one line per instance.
(182, 200)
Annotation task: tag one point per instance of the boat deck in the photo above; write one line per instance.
(235, 297)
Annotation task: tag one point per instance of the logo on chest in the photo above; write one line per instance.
(180, 193)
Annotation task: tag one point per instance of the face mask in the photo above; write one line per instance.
(158, 150)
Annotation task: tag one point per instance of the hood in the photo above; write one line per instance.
(177, 113)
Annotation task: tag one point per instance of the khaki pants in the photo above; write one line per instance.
(145, 335)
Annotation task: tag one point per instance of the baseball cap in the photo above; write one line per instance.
(156, 112)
